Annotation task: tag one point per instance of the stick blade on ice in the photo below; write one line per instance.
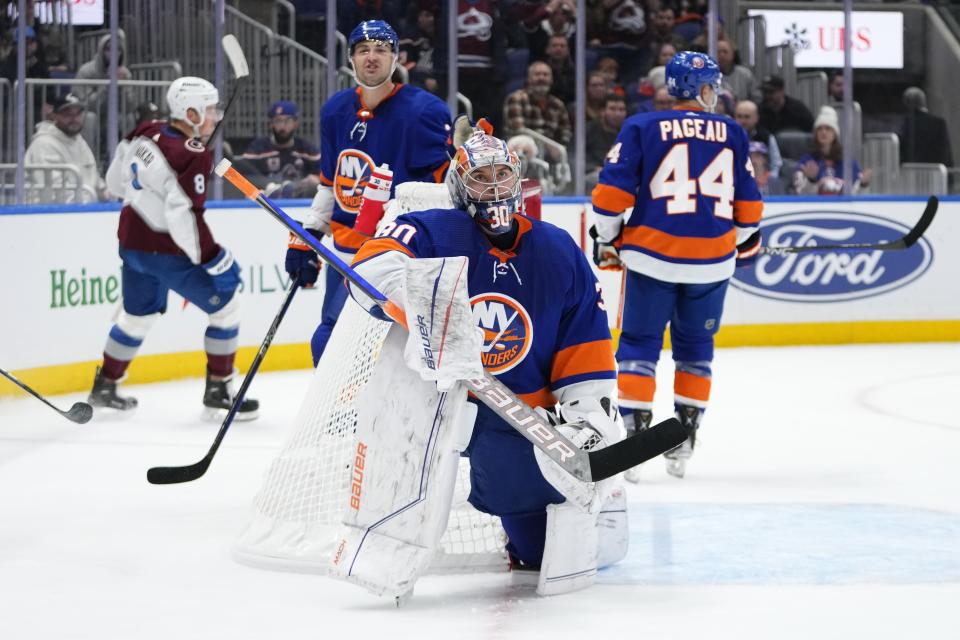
(80, 412)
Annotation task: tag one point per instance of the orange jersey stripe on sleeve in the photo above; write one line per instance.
(611, 198)
(587, 357)
(679, 246)
(347, 237)
(539, 398)
(376, 246)
(325, 181)
(747, 211)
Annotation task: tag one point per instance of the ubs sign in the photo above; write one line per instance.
(835, 275)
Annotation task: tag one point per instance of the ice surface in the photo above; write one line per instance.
(823, 502)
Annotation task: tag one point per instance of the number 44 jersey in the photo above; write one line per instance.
(682, 185)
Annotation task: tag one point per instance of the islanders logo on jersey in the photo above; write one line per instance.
(352, 175)
(507, 331)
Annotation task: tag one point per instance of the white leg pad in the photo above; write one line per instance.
(570, 551)
(403, 476)
(613, 529)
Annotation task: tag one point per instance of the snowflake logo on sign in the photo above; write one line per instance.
(796, 37)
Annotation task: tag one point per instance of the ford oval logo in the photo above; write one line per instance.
(835, 275)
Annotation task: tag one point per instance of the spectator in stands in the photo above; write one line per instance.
(534, 108)
(835, 85)
(36, 67)
(665, 53)
(526, 148)
(145, 112)
(768, 183)
(736, 77)
(58, 141)
(779, 111)
(289, 164)
(661, 30)
(481, 57)
(611, 68)
(725, 103)
(662, 100)
(417, 47)
(821, 171)
(98, 68)
(619, 29)
(564, 75)
(689, 25)
(553, 18)
(601, 134)
(748, 116)
(598, 86)
(923, 136)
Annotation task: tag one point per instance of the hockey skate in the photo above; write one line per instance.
(638, 420)
(677, 457)
(218, 398)
(104, 394)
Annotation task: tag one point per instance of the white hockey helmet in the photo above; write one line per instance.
(484, 181)
(190, 92)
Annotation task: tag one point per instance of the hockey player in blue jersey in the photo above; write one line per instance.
(545, 331)
(677, 205)
(377, 123)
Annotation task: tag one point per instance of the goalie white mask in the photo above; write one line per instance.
(194, 93)
(484, 181)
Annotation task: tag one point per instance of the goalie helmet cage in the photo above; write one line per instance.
(297, 513)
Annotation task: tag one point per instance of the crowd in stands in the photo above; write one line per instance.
(516, 67)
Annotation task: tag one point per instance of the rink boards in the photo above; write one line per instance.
(61, 286)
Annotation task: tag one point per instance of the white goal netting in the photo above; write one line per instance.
(297, 512)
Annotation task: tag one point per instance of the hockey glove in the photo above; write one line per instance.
(749, 249)
(375, 196)
(225, 272)
(302, 262)
(606, 255)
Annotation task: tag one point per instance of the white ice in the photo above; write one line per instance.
(823, 501)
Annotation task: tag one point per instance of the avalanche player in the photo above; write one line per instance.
(545, 336)
(160, 170)
(677, 204)
(377, 123)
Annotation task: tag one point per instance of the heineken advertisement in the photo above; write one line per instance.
(62, 284)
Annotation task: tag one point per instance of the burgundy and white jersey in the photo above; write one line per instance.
(161, 175)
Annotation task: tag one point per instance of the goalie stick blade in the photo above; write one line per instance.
(80, 413)
(177, 475)
(636, 449)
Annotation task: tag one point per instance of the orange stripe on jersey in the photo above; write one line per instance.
(376, 246)
(439, 173)
(325, 181)
(747, 211)
(611, 198)
(635, 387)
(691, 386)
(539, 398)
(347, 237)
(523, 226)
(681, 246)
(587, 357)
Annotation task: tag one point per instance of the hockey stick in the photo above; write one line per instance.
(905, 242)
(588, 466)
(80, 412)
(174, 475)
(231, 47)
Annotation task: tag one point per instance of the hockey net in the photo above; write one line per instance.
(297, 512)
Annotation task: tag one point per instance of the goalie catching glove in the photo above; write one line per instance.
(589, 426)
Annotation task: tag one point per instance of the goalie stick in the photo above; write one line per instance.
(80, 412)
(175, 475)
(904, 242)
(588, 466)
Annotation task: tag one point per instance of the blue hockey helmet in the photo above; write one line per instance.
(687, 71)
(376, 30)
